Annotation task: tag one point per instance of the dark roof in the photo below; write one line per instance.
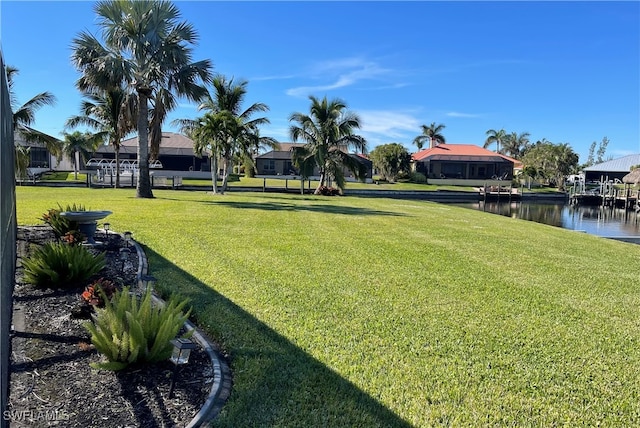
(171, 144)
(276, 154)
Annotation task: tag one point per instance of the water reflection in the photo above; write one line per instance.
(595, 220)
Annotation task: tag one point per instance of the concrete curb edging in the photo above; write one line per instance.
(221, 386)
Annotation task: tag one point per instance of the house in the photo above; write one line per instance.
(464, 164)
(40, 158)
(613, 169)
(277, 162)
(176, 153)
(280, 163)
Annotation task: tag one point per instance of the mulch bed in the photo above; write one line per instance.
(51, 382)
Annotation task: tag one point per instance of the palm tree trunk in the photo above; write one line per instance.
(214, 172)
(117, 150)
(75, 166)
(225, 179)
(321, 184)
(143, 188)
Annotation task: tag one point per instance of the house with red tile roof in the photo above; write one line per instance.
(466, 164)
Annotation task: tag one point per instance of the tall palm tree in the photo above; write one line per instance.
(79, 145)
(327, 131)
(147, 47)
(24, 115)
(226, 129)
(112, 114)
(515, 144)
(497, 137)
(432, 133)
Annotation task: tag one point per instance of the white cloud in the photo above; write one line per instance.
(341, 73)
(274, 77)
(463, 115)
(388, 126)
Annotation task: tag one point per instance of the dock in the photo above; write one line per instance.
(605, 194)
(497, 193)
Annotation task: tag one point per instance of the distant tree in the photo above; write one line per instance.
(430, 133)
(112, 113)
(226, 130)
(23, 157)
(391, 160)
(254, 144)
(590, 157)
(602, 148)
(497, 137)
(515, 145)
(327, 131)
(79, 145)
(24, 115)
(552, 161)
(531, 172)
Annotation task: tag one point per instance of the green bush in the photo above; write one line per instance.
(60, 225)
(56, 264)
(128, 330)
(418, 177)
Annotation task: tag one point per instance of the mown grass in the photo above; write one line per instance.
(380, 312)
(293, 184)
(63, 176)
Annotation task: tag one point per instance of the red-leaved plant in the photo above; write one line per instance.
(92, 294)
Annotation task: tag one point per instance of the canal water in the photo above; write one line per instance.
(595, 220)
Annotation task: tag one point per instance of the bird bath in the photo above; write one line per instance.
(87, 221)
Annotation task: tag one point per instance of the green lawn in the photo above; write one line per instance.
(351, 311)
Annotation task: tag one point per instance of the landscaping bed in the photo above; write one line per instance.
(51, 381)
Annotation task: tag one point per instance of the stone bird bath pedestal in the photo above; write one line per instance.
(87, 222)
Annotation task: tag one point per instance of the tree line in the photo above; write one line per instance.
(132, 78)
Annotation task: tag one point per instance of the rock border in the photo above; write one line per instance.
(222, 382)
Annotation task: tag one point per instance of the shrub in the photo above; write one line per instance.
(329, 191)
(129, 330)
(418, 177)
(60, 225)
(56, 264)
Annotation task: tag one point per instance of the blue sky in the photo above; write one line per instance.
(565, 71)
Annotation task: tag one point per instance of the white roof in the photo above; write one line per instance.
(622, 164)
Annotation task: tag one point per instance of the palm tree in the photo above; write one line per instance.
(111, 113)
(255, 143)
(23, 157)
(515, 144)
(24, 115)
(79, 144)
(433, 133)
(226, 129)
(497, 137)
(327, 131)
(147, 47)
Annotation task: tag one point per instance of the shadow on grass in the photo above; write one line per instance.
(275, 383)
(323, 208)
(288, 206)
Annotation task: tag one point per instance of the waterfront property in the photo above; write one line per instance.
(280, 163)
(176, 153)
(612, 170)
(464, 164)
